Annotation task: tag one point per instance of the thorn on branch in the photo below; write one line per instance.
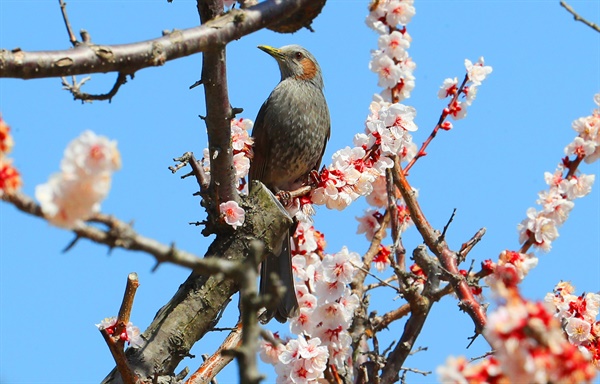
(71, 244)
(236, 111)
(197, 83)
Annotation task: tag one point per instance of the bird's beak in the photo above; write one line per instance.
(276, 53)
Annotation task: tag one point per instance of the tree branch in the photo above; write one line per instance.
(215, 363)
(440, 248)
(193, 309)
(576, 16)
(129, 58)
(223, 181)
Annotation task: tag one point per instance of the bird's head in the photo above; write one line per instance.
(296, 62)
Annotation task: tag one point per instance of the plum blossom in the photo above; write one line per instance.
(588, 129)
(6, 140)
(341, 266)
(326, 305)
(557, 201)
(448, 88)
(398, 11)
(74, 194)
(354, 170)
(388, 71)
(477, 72)
(369, 223)
(90, 155)
(10, 178)
(232, 213)
(541, 228)
(395, 45)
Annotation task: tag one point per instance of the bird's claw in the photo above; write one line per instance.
(285, 198)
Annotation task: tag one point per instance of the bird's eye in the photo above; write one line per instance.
(298, 55)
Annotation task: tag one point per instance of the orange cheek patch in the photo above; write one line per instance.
(309, 68)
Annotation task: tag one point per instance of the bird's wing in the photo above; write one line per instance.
(327, 121)
(261, 150)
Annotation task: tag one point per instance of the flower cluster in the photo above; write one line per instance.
(577, 315)
(587, 143)
(354, 171)
(241, 144)
(540, 227)
(476, 73)
(326, 309)
(391, 61)
(529, 346)
(130, 334)
(10, 179)
(74, 194)
(510, 270)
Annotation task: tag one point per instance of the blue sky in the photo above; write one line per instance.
(490, 166)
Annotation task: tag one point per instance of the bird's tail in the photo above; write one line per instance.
(280, 266)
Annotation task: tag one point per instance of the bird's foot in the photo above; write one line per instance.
(285, 198)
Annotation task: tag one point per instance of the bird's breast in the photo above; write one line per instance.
(297, 127)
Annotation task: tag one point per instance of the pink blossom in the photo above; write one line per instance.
(241, 163)
(388, 71)
(577, 187)
(369, 223)
(477, 72)
(448, 88)
(90, 155)
(555, 205)
(340, 267)
(269, 352)
(399, 12)
(578, 330)
(232, 213)
(395, 45)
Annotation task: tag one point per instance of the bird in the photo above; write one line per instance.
(290, 134)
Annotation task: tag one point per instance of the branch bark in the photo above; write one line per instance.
(129, 58)
(192, 311)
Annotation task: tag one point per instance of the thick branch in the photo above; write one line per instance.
(193, 310)
(128, 58)
(223, 182)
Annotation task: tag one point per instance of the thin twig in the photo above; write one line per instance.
(577, 17)
(421, 152)
(381, 281)
(114, 341)
(118, 354)
(63, 10)
(132, 285)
